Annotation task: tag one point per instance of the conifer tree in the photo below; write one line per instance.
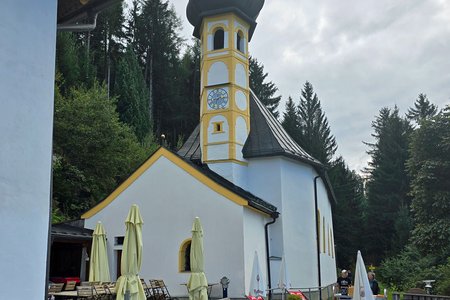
(429, 168)
(265, 91)
(314, 132)
(106, 43)
(422, 109)
(290, 119)
(132, 94)
(388, 185)
(348, 212)
(154, 34)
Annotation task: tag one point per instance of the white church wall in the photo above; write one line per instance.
(27, 66)
(233, 172)
(254, 241)
(264, 176)
(299, 225)
(169, 199)
(327, 258)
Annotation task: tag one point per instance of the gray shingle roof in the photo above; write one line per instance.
(268, 138)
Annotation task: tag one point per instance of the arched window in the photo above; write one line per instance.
(240, 41)
(184, 256)
(219, 39)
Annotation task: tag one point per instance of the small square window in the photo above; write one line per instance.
(218, 127)
(118, 240)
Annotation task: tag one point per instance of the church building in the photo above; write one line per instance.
(253, 187)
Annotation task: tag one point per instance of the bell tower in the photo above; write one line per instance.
(225, 29)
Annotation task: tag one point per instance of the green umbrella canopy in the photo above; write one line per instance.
(197, 283)
(129, 282)
(98, 265)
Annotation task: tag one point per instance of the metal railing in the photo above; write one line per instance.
(412, 296)
(312, 293)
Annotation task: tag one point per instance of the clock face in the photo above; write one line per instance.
(218, 99)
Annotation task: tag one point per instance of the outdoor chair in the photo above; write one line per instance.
(100, 292)
(147, 289)
(85, 292)
(55, 287)
(70, 285)
(109, 294)
(159, 290)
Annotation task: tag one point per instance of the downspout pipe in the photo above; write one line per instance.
(274, 216)
(80, 27)
(319, 277)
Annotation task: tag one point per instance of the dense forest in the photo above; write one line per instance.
(133, 83)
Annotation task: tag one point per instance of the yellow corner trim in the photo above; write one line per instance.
(177, 161)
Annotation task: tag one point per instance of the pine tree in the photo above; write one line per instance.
(153, 31)
(348, 212)
(67, 61)
(106, 43)
(132, 94)
(429, 168)
(314, 134)
(388, 185)
(422, 109)
(189, 104)
(265, 91)
(290, 119)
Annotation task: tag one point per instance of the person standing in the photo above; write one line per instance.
(343, 282)
(373, 283)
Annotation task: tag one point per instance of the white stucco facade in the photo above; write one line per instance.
(291, 190)
(27, 66)
(169, 199)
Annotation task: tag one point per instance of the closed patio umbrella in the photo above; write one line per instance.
(197, 284)
(98, 264)
(129, 285)
(362, 290)
(257, 284)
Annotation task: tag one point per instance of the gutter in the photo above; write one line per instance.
(274, 216)
(317, 237)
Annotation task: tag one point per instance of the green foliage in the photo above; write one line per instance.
(429, 168)
(153, 31)
(348, 213)
(442, 286)
(422, 110)
(290, 119)
(314, 132)
(293, 297)
(67, 60)
(93, 150)
(388, 186)
(265, 91)
(132, 95)
(106, 43)
(406, 270)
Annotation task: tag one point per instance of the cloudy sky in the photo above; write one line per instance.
(360, 56)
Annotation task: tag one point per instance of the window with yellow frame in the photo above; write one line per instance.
(184, 256)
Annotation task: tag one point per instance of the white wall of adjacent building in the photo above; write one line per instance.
(169, 199)
(27, 68)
